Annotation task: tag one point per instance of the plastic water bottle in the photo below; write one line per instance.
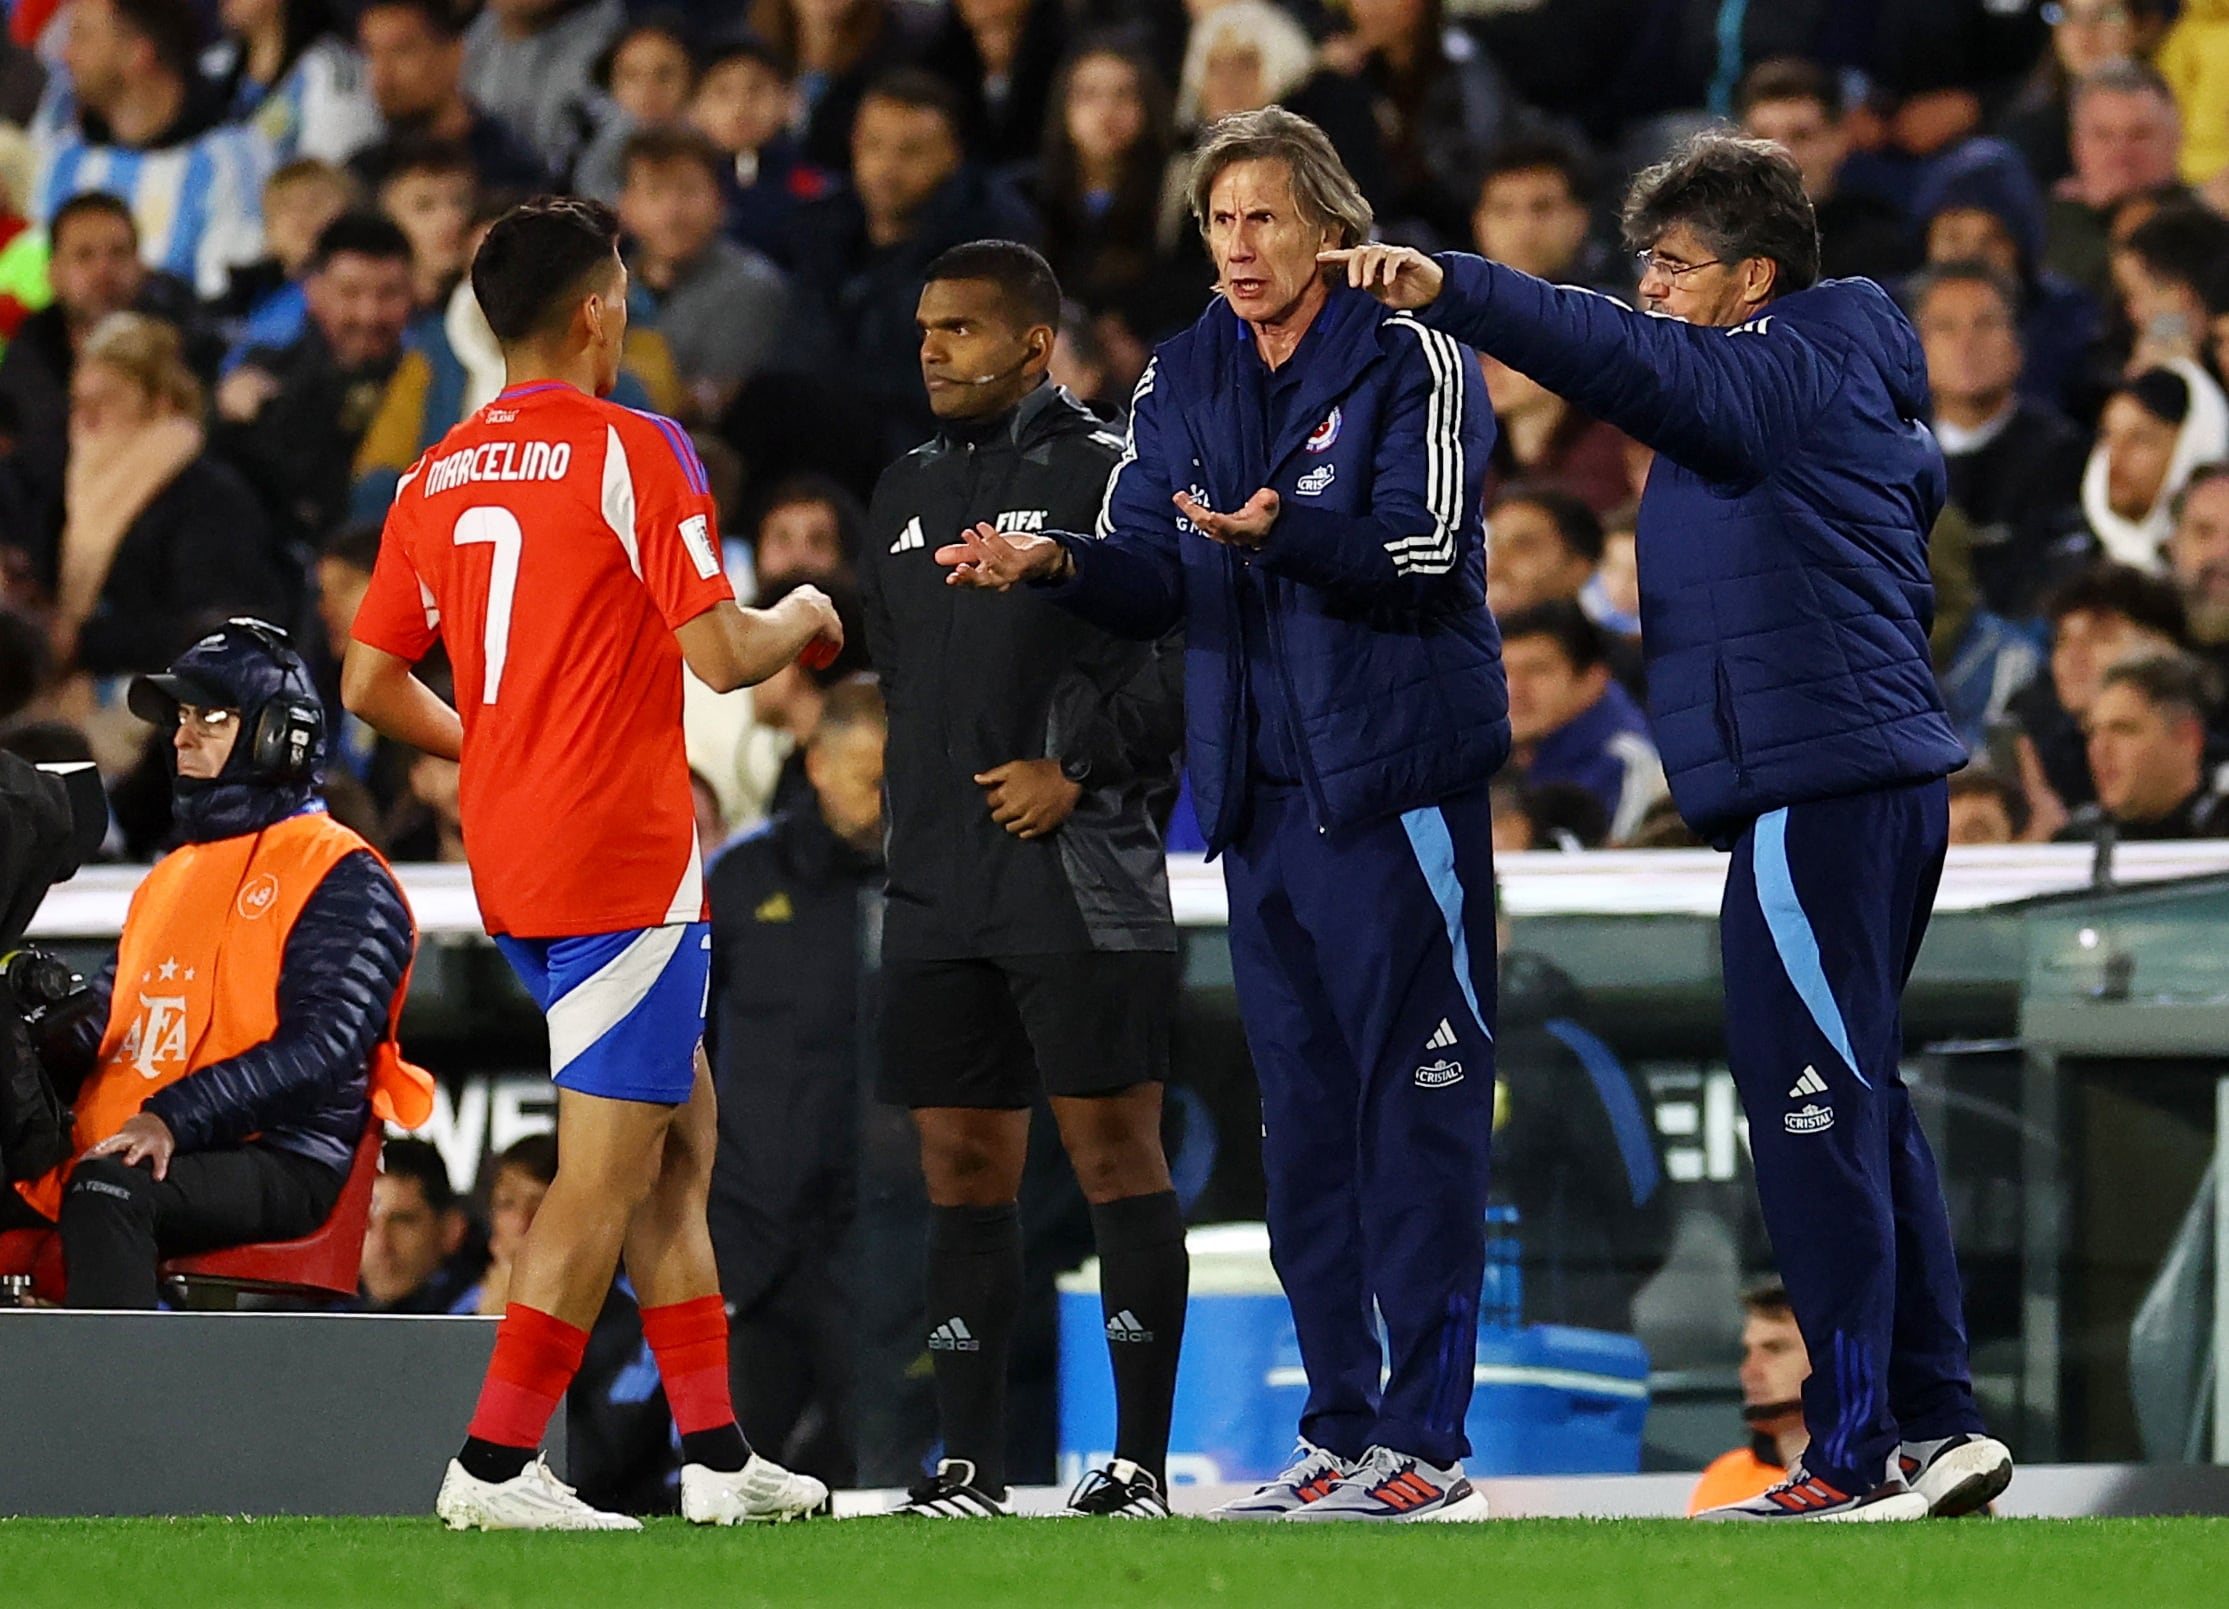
(1501, 1304)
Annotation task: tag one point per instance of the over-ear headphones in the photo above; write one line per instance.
(289, 730)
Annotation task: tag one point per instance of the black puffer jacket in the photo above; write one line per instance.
(976, 679)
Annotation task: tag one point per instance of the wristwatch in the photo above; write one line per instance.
(1076, 769)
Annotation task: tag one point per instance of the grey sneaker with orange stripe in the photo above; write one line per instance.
(1803, 1496)
(1389, 1485)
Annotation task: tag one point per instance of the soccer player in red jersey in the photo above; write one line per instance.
(564, 550)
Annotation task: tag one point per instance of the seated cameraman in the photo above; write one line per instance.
(250, 1017)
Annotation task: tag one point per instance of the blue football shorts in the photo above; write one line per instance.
(625, 1010)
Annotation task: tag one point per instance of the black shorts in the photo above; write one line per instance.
(992, 1034)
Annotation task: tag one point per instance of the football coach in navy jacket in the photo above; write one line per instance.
(1785, 604)
(1301, 491)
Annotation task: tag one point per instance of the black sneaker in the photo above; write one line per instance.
(1121, 1491)
(951, 1494)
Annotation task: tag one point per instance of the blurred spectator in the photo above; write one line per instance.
(160, 540)
(427, 188)
(1982, 659)
(2156, 429)
(719, 305)
(2015, 464)
(2163, 268)
(428, 825)
(280, 68)
(529, 63)
(22, 80)
(1435, 105)
(849, 398)
(1985, 808)
(2147, 745)
(2194, 59)
(1543, 545)
(1981, 206)
(341, 577)
(1612, 595)
(24, 665)
(644, 79)
(808, 530)
(291, 417)
(1098, 187)
(265, 297)
(1774, 1366)
(1546, 442)
(1575, 1153)
(414, 65)
(95, 270)
(745, 100)
(132, 91)
(2198, 560)
(416, 1253)
(1081, 365)
(1243, 55)
(1664, 828)
(1798, 105)
(837, 49)
(522, 1175)
(1002, 57)
(451, 367)
(1569, 719)
(2085, 35)
(2123, 133)
(795, 913)
(1561, 817)
(23, 254)
(2107, 613)
(1532, 213)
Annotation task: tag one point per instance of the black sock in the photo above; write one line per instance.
(721, 1448)
(1144, 1276)
(492, 1461)
(975, 1296)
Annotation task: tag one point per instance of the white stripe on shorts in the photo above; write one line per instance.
(596, 1005)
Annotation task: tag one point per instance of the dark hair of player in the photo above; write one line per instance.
(538, 260)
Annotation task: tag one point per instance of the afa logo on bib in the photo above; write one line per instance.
(1321, 438)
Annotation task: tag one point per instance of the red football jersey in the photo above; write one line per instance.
(553, 542)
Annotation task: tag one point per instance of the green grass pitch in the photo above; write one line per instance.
(869, 1564)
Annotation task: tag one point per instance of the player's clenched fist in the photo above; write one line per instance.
(828, 629)
(1398, 276)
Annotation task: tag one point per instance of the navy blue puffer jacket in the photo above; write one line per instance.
(1785, 595)
(1381, 651)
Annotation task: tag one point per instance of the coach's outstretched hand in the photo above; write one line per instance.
(987, 557)
(1399, 276)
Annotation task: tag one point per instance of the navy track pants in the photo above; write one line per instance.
(1825, 906)
(1365, 966)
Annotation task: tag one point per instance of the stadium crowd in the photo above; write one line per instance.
(233, 303)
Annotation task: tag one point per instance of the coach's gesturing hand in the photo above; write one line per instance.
(986, 557)
(1248, 528)
(1398, 276)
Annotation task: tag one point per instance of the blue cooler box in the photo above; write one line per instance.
(1548, 1400)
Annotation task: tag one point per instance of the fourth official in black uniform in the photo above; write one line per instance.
(1028, 942)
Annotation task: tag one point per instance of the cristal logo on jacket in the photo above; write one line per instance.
(1321, 438)
(1439, 1074)
(259, 896)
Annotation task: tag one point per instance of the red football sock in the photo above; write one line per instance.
(536, 1357)
(690, 1341)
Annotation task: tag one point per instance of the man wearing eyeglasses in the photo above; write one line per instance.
(1785, 606)
(250, 1017)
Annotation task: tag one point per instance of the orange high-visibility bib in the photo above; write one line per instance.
(197, 979)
